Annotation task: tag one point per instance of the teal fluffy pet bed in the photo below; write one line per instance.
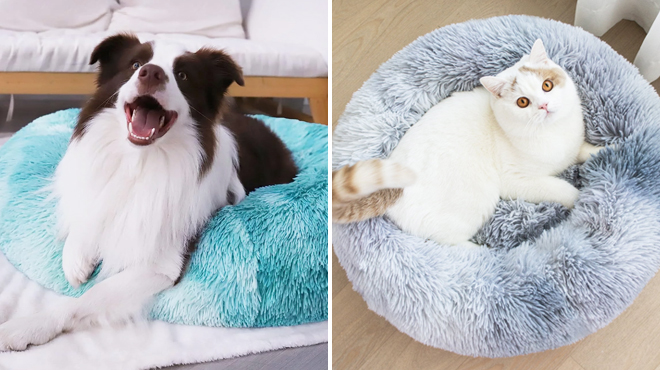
(550, 276)
(260, 263)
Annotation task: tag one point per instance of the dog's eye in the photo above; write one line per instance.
(136, 65)
(182, 76)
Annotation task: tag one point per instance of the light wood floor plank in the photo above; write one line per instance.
(548, 360)
(338, 283)
(360, 331)
(570, 364)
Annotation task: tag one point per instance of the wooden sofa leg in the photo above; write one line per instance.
(319, 107)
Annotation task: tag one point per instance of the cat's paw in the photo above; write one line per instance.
(571, 195)
(587, 151)
(595, 150)
(18, 334)
(78, 262)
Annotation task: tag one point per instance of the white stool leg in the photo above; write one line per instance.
(598, 16)
(10, 110)
(648, 57)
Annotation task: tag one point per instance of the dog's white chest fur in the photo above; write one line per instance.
(138, 206)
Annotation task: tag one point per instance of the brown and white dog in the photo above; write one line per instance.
(154, 154)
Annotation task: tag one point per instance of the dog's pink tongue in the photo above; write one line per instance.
(144, 120)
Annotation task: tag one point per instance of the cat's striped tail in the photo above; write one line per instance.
(367, 189)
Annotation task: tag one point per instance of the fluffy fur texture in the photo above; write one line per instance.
(145, 345)
(260, 263)
(363, 178)
(367, 189)
(551, 278)
(508, 140)
(144, 171)
(364, 208)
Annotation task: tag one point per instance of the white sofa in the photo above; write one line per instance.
(284, 52)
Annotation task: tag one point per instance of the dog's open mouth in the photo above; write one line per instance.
(147, 120)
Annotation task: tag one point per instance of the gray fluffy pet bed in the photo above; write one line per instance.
(550, 277)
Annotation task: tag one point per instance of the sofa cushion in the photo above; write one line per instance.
(69, 51)
(270, 21)
(220, 18)
(38, 15)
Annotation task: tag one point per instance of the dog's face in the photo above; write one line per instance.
(157, 86)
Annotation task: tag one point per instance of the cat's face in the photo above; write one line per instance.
(533, 93)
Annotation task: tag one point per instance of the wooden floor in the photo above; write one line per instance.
(365, 34)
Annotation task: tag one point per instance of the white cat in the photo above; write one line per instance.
(506, 140)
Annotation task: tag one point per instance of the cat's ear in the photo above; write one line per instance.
(494, 84)
(538, 54)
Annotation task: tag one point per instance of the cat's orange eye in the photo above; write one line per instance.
(547, 85)
(522, 102)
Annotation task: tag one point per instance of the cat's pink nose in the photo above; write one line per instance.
(544, 106)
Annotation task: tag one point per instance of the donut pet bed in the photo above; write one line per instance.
(260, 263)
(549, 276)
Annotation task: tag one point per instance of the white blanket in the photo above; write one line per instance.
(138, 346)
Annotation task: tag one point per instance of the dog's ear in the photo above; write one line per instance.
(110, 54)
(111, 48)
(225, 70)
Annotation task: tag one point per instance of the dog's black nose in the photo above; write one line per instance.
(152, 74)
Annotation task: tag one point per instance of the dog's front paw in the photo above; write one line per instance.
(18, 334)
(78, 262)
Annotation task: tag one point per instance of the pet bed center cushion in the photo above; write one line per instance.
(260, 263)
(551, 276)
